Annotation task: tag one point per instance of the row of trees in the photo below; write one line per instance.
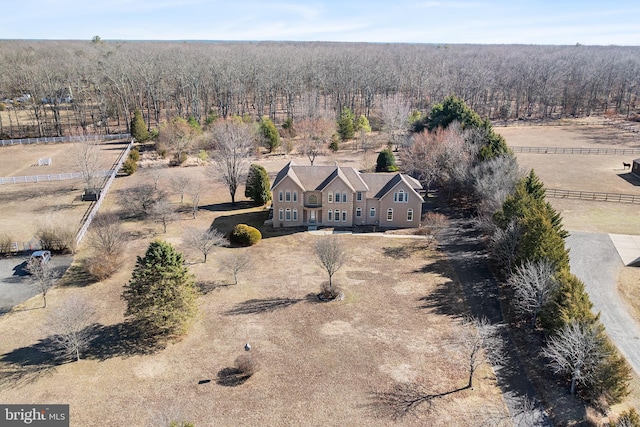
(461, 153)
(80, 87)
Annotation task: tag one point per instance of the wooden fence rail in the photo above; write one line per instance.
(594, 196)
(561, 150)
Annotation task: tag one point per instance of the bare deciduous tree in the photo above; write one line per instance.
(139, 201)
(315, 134)
(504, 244)
(72, 325)
(395, 112)
(43, 276)
(107, 235)
(163, 212)
(156, 173)
(481, 343)
(203, 240)
(195, 191)
(493, 180)
(236, 262)
(434, 223)
(576, 350)
(331, 254)
(533, 283)
(232, 146)
(86, 156)
(180, 183)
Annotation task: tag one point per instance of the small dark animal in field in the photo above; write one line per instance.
(626, 165)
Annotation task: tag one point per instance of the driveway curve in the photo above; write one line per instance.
(594, 260)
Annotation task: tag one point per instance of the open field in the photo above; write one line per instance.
(24, 206)
(322, 363)
(583, 172)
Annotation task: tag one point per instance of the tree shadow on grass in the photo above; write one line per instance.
(446, 300)
(405, 399)
(231, 377)
(265, 305)
(207, 286)
(123, 340)
(26, 364)
(406, 250)
(76, 276)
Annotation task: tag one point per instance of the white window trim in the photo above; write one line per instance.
(359, 196)
(344, 216)
(358, 212)
(281, 196)
(372, 212)
(295, 196)
(281, 214)
(336, 215)
(409, 215)
(295, 214)
(336, 197)
(390, 214)
(330, 215)
(287, 196)
(287, 214)
(344, 197)
(329, 197)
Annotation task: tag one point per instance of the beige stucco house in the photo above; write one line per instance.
(333, 196)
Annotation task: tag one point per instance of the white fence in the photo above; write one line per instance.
(105, 190)
(49, 177)
(58, 139)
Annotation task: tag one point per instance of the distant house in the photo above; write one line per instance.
(635, 167)
(333, 196)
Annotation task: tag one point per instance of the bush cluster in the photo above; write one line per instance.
(246, 364)
(245, 235)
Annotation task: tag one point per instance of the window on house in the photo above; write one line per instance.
(330, 197)
(280, 196)
(359, 196)
(295, 196)
(295, 214)
(344, 197)
(344, 216)
(372, 212)
(409, 214)
(313, 199)
(281, 214)
(337, 198)
(401, 196)
(287, 196)
(389, 214)
(336, 215)
(287, 215)
(330, 215)
(358, 212)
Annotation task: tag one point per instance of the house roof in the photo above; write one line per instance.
(317, 178)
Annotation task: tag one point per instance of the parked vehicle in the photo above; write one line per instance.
(42, 257)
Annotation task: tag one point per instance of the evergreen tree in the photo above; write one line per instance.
(269, 134)
(139, 128)
(569, 302)
(362, 124)
(258, 187)
(161, 295)
(386, 161)
(194, 125)
(346, 124)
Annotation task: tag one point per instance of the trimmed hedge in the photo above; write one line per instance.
(245, 235)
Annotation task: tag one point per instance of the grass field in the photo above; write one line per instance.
(24, 206)
(322, 363)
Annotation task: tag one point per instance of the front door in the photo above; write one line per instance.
(312, 217)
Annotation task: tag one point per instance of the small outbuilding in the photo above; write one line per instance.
(635, 168)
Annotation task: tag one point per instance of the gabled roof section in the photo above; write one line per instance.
(284, 172)
(337, 173)
(383, 183)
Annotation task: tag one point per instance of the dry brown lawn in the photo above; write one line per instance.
(24, 206)
(321, 363)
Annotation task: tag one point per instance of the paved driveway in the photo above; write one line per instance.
(595, 260)
(15, 284)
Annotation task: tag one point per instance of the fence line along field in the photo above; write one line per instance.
(579, 172)
(24, 206)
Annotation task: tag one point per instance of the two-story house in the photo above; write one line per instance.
(333, 196)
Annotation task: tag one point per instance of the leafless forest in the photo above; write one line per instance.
(53, 88)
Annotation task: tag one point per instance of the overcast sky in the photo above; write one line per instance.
(588, 22)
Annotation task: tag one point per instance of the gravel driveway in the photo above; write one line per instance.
(595, 261)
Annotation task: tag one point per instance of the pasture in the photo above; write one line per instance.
(24, 206)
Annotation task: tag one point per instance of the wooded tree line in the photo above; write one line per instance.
(94, 87)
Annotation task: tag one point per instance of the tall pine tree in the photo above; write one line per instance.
(258, 187)
(161, 295)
